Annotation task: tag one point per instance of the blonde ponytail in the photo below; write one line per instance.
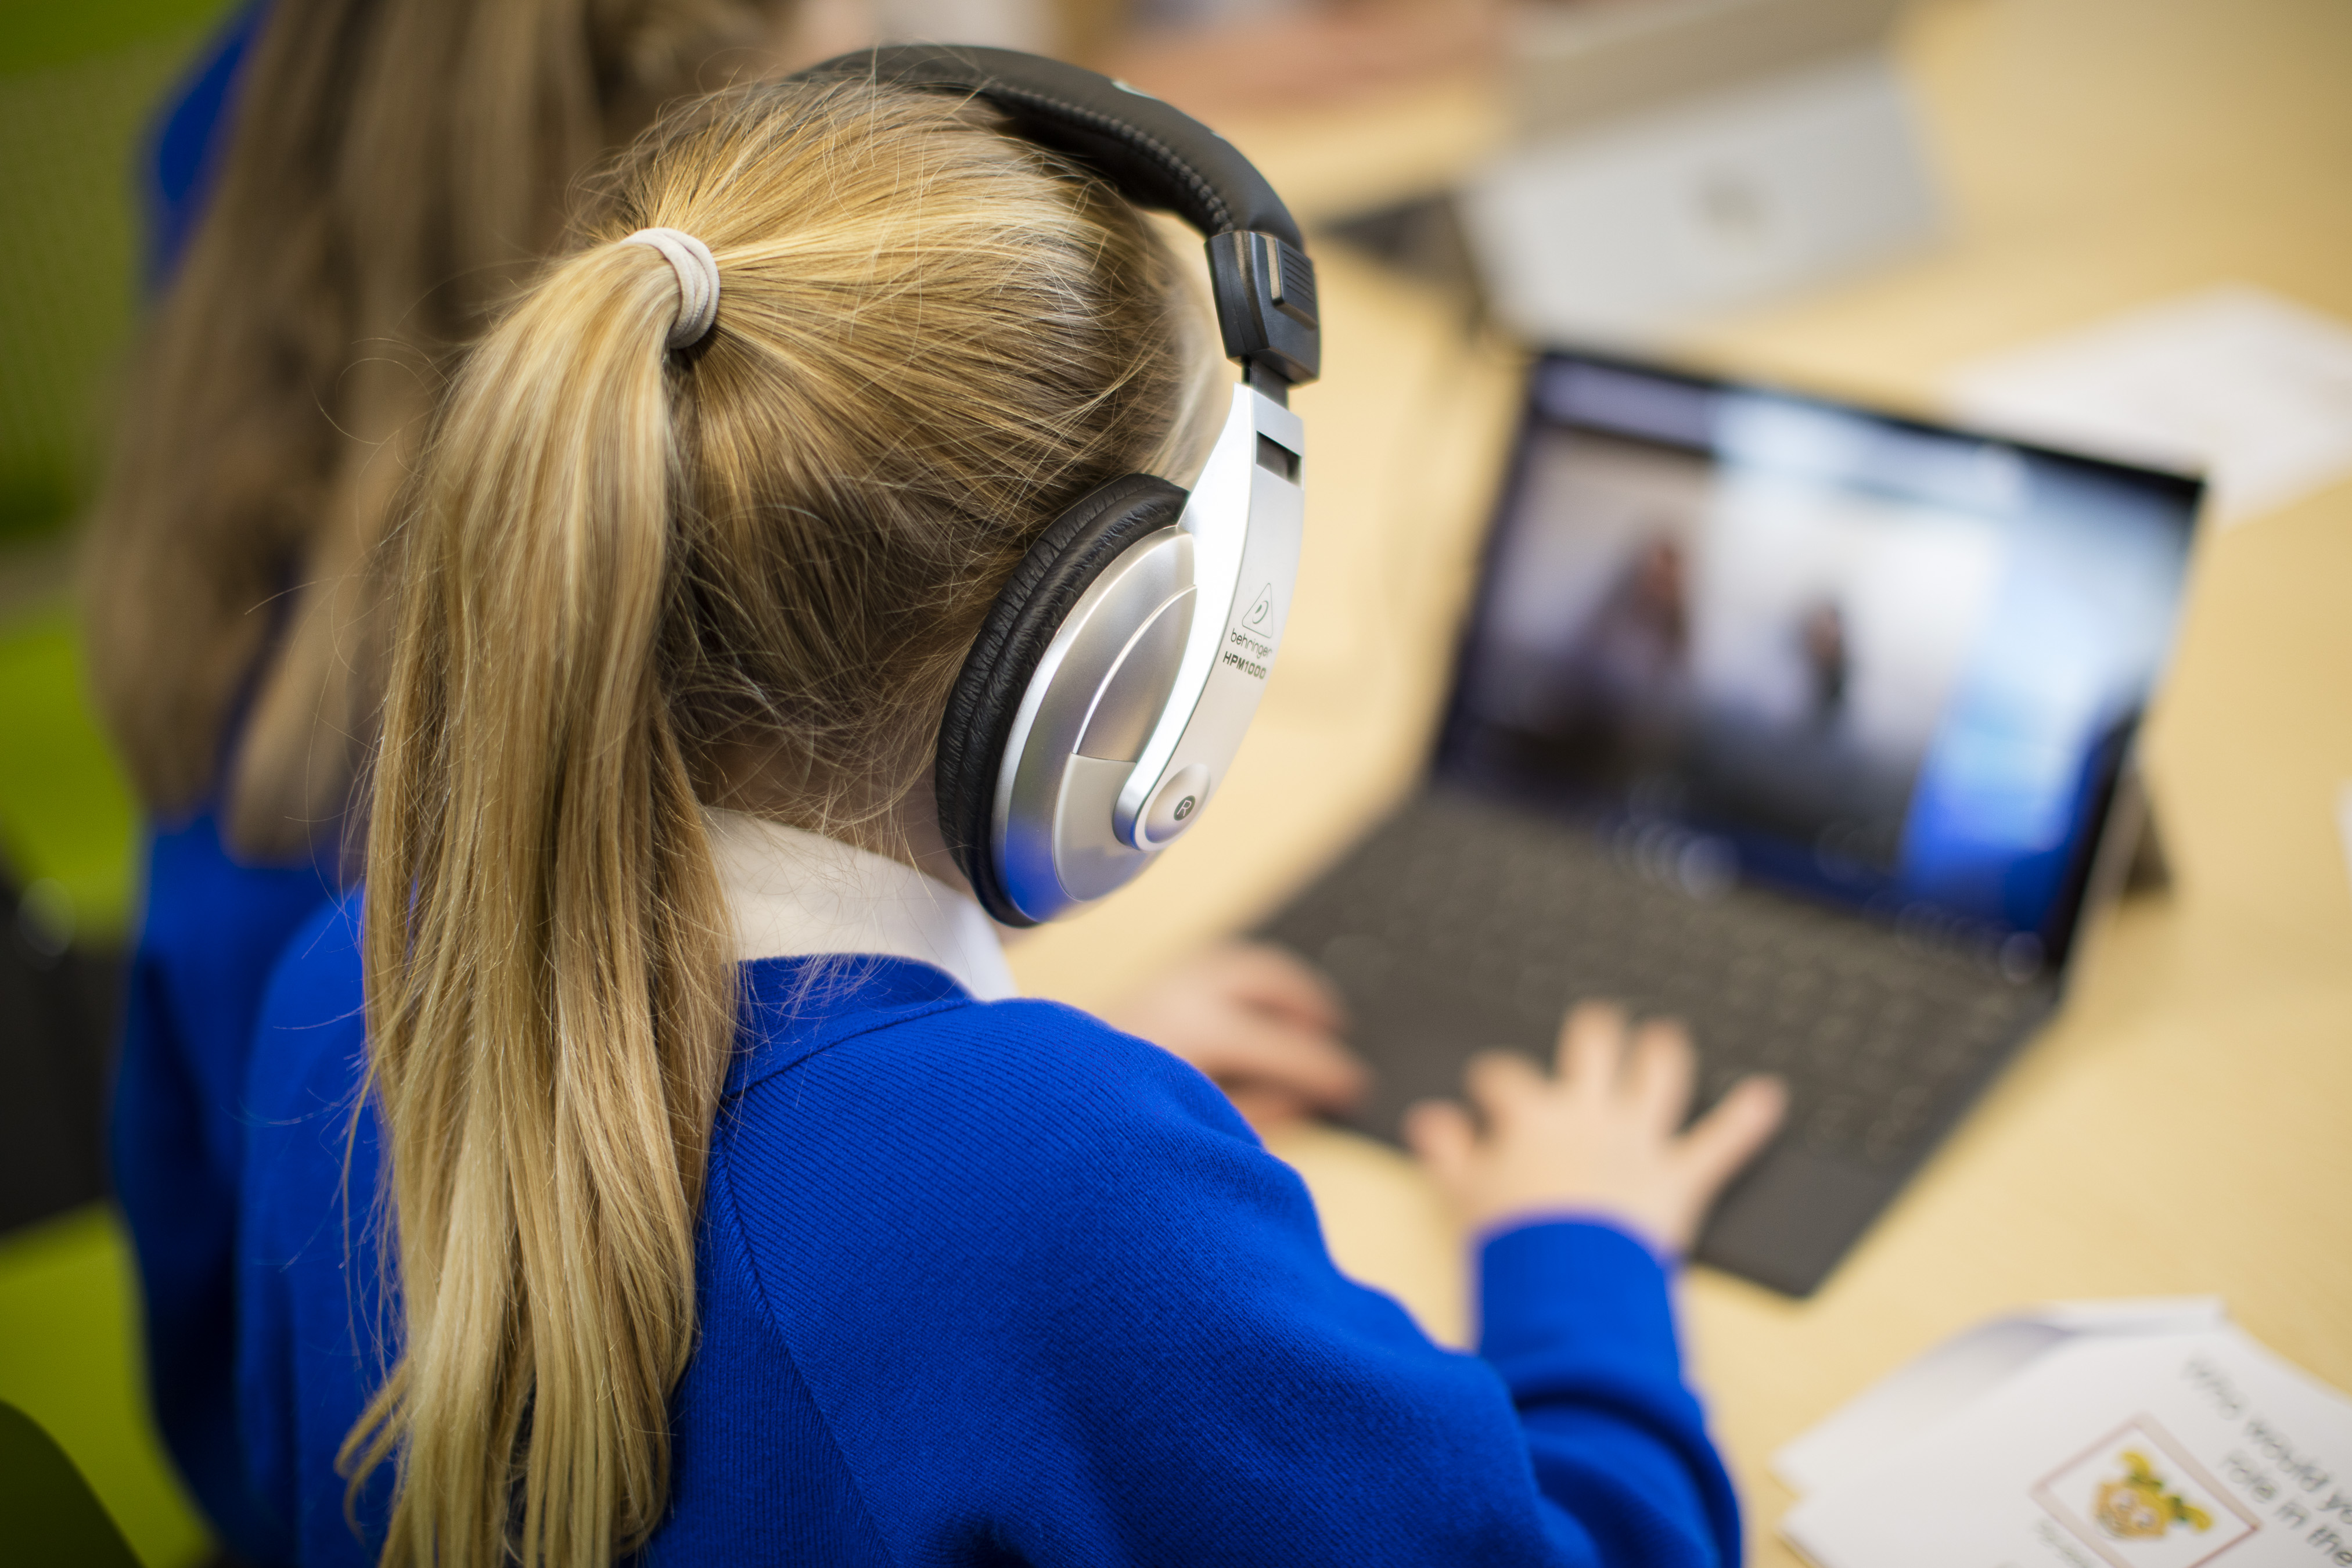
(626, 572)
(554, 907)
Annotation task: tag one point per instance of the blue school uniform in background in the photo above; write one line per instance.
(989, 1282)
(210, 929)
(210, 934)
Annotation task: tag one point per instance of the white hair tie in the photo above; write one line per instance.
(698, 281)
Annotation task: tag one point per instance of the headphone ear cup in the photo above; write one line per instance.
(996, 675)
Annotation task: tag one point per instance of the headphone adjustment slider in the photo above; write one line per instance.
(1266, 305)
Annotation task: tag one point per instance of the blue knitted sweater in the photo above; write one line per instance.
(993, 1283)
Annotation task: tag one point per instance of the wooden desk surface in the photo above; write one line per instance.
(2186, 1126)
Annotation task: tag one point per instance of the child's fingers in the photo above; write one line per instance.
(1591, 1041)
(1275, 1053)
(1438, 1133)
(1265, 1108)
(1500, 1083)
(1728, 1136)
(1659, 1073)
(1274, 981)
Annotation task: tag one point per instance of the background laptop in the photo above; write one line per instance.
(1800, 722)
(1675, 157)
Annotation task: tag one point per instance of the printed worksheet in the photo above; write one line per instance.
(2131, 1449)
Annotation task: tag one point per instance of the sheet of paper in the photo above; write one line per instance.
(1964, 1369)
(2129, 1450)
(2253, 390)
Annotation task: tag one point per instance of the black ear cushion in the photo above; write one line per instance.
(1156, 153)
(1059, 568)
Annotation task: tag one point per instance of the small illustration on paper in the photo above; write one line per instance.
(2140, 1506)
(2139, 1502)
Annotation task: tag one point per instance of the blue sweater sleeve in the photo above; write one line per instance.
(1577, 1319)
(1056, 1304)
(211, 930)
(312, 1327)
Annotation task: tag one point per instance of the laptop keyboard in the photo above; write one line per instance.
(1460, 925)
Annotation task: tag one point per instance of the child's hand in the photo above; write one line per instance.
(1600, 1137)
(1260, 1023)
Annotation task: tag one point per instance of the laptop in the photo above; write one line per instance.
(1803, 723)
(1675, 157)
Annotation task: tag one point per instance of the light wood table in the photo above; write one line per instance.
(2185, 1125)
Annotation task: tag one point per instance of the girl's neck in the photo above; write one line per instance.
(791, 893)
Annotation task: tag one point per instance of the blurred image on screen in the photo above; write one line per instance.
(1886, 663)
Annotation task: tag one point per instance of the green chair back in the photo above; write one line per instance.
(48, 1515)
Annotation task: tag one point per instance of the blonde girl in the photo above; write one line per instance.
(345, 193)
(729, 1207)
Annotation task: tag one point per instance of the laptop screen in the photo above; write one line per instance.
(1767, 636)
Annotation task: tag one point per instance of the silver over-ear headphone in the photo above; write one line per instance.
(1114, 677)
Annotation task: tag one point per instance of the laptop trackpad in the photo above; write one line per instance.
(1786, 1221)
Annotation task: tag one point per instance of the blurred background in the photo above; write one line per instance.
(79, 88)
(1855, 196)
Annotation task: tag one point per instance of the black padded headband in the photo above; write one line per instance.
(1157, 156)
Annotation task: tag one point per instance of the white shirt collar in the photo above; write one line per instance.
(791, 892)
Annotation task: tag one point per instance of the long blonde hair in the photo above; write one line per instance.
(394, 168)
(624, 567)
